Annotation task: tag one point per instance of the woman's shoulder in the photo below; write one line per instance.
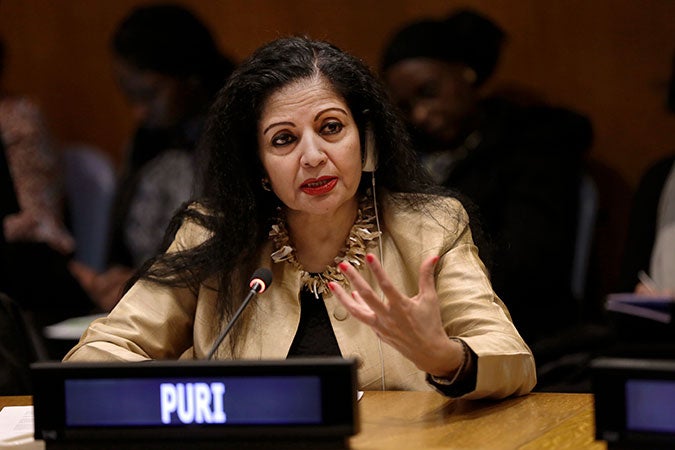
(194, 226)
(416, 225)
(17, 104)
(405, 204)
(652, 181)
(18, 113)
(424, 213)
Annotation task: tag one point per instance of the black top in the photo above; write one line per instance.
(523, 177)
(315, 336)
(146, 145)
(642, 225)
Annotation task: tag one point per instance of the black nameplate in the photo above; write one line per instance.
(634, 402)
(195, 400)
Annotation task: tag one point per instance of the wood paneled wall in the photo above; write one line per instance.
(609, 59)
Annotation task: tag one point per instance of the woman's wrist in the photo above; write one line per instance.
(460, 369)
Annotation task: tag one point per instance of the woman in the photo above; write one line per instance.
(286, 189)
(170, 80)
(650, 247)
(519, 165)
(650, 244)
(35, 169)
(33, 236)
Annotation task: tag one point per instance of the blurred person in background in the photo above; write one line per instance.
(650, 247)
(169, 68)
(36, 245)
(519, 162)
(36, 170)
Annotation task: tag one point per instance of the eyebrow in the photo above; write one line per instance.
(335, 108)
(319, 114)
(277, 124)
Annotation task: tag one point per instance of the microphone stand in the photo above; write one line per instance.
(252, 293)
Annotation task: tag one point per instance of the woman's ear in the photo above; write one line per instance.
(469, 75)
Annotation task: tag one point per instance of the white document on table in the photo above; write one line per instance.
(17, 429)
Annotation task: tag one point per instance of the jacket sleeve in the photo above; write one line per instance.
(472, 312)
(149, 322)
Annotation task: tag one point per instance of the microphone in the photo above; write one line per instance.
(260, 280)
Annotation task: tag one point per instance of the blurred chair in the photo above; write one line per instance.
(588, 211)
(562, 359)
(20, 345)
(90, 188)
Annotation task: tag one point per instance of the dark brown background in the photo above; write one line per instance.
(609, 59)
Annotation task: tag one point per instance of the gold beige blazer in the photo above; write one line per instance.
(155, 322)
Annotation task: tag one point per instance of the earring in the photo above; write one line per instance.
(470, 75)
(266, 184)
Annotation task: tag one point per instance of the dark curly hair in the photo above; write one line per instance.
(465, 36)
(169, 39)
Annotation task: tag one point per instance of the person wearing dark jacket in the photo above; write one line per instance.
(169, 68)
(519, 165)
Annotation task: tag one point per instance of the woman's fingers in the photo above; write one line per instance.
(383, 279)
(366, 305)
(366, 294)
(354, 304)
(412, 325)
(427, 283)
(85, 275)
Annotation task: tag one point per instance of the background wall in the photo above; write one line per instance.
(609, 59)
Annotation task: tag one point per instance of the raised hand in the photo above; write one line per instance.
(412, 325)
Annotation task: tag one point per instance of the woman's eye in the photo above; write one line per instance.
(332, 128)
(404, 106)
(282, 139)
(429, 90)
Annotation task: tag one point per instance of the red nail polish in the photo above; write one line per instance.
(436, 258)
(330, 286)
(343, 266)
(370, 258)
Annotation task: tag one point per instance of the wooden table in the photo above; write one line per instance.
(16, 401)
(427, 420)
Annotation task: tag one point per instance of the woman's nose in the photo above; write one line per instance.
(140, 112)
(313, 153)
(419, 113)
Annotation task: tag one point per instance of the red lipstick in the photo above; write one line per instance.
(318, 186)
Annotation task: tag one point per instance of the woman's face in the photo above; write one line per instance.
(436, 97)
(157, 100)
(309, 146)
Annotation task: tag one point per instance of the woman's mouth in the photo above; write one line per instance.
(318, 186)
